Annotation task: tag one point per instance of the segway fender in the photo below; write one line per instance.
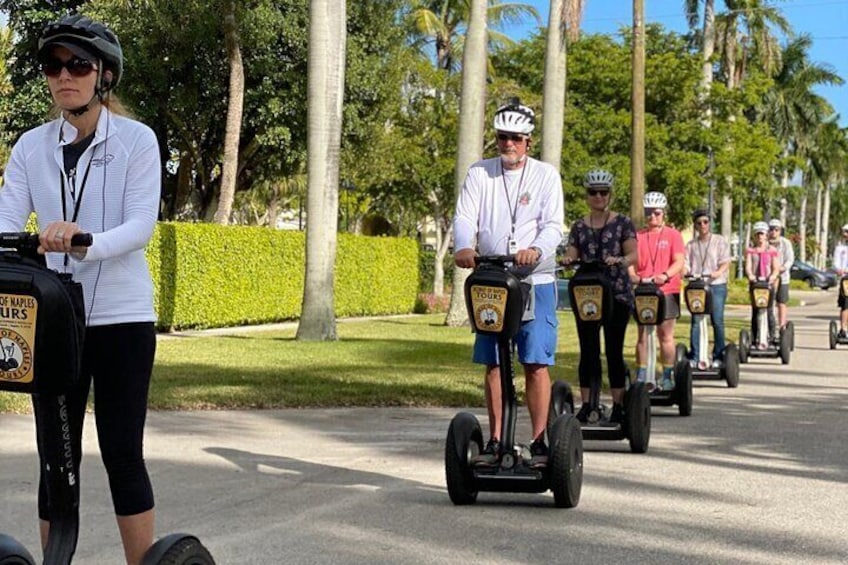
(177, 549)
(463, 426)
(12, 552)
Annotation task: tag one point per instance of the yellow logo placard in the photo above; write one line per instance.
(18, 314)
(696, 299)
(489, 305)
(844, 287)
(646, 309)
(761, 297)
(589, 300)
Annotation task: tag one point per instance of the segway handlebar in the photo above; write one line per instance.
(502, 260)
(29, 241)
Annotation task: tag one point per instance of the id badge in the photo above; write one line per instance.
(512, 247)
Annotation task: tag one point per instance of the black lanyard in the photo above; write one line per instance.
(514, 211)
(75, 197)
(653, 257)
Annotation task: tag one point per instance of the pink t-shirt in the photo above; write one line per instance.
(761, 260)
(656, 254)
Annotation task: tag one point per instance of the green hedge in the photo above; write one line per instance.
(206, 275)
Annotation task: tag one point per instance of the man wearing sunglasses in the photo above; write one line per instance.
(513, 205)
(94, 170)
(840, 265)
(786, 256)
(708, 254)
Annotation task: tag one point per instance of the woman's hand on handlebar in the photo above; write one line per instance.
(56, 238)
(612, 260)
(465, 258)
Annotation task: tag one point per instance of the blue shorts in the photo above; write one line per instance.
(536, 340)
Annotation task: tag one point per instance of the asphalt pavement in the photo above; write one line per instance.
(757, 474)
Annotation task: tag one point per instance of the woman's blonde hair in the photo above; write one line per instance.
(110, 102)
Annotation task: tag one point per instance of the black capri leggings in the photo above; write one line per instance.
(590, 347)
(119, 359)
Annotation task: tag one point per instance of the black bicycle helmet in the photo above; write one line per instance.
(88, 37)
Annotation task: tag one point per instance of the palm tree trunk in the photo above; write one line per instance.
(637, 147)
(553, 90)
(817, 257)
(229, 167)
(802, 223)
(825, 223)
(325, 89)
(470, 143)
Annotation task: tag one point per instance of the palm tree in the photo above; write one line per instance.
(441, 22)
(637, 116)
(564, 15)
(471, 115)
(229, 166)
(829, 166)
(325, 88)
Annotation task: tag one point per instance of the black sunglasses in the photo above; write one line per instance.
(77, 67)
(595, 192)
(702, 222)
(514, 137)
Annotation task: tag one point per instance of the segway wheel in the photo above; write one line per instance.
(637, 417)
(785, 349)
(731, 366)
(790, 329)
(12, 552)
(834, 334)
(680, 353)
(566, 461)
(464, 441)
(744, 345)
(562, 402)
(683, 388)
(178, 549)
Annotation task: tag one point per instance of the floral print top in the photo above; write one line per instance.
(604, 242)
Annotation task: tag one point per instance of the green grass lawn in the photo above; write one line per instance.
(402, 361)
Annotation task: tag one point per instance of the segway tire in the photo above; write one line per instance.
(562, 402)
(683, 388)
(785, 350)
(566, 461)
(464, 440)
(744, 346)
(637, 417)
(731, 366)
(834, 334)
(790, 329)
(12, 552)
(680, 353)
(178, 549)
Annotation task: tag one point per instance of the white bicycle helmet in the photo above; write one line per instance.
(598, 178)
(775, 223)
(760, 227)
(514, 117)
(845, 227)
(654, 200)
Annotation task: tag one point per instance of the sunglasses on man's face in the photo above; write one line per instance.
(774, 228)
(77, 67)
(702, 222)
(657, 212)
(596, 192)
(514, 137)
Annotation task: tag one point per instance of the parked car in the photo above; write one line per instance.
(815, 278)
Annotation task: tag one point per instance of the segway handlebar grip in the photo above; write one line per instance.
(25, 240)
(82, 240)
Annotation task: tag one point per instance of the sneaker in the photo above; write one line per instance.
(716, 364)
(583, 413)
(490, 456)
(539, 453)
(667, 382)
(617, 415)
(842, 334)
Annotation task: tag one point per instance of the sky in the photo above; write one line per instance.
(826, 21)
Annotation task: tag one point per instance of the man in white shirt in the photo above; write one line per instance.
(513, 205)
(786, 256)
(840, 265)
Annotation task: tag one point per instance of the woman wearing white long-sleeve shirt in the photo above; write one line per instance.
(513, 205)
(94, 170)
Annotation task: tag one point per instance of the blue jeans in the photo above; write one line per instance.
(719, 297)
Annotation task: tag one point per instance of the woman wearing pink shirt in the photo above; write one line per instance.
(661, 259)
(762, 263)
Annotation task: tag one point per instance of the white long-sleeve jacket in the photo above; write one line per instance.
(490, 198)
(119, 206)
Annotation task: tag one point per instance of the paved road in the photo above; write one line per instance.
(757, 475)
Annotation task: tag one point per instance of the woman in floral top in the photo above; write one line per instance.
(610, 238)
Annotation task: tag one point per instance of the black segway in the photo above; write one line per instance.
(768, 346)
(42, 329)
(835, 338)
(699, 302)
(495, 303)
(650, 312)
(591, 301)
